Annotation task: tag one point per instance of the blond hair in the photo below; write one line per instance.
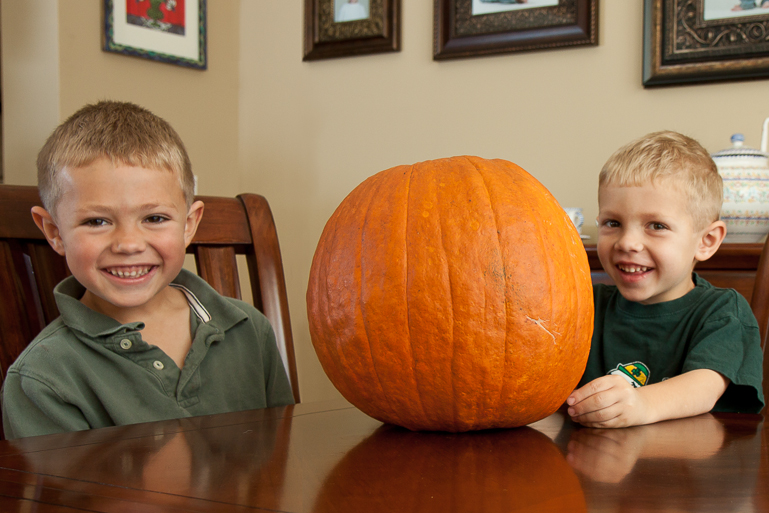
(669, 155)
(122, 132)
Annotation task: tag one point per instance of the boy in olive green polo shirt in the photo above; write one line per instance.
(139, 339)
(666, 343)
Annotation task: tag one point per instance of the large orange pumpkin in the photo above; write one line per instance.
(451, 295)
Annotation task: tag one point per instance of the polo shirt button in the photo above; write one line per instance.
(158, 365)
(125, 343)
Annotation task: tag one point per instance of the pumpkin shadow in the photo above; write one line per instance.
(395, 469)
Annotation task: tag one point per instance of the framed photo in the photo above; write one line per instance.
(340, 28)
(689, 41)
(171, 31)
(469, 28)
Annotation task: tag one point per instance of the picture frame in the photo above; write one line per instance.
(337, 28)
(171, 31)
(690, 41)
(471, 28)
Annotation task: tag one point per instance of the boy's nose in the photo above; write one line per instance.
(128, 239)
(629, 241)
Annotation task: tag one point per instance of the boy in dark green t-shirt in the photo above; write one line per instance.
(666, 343)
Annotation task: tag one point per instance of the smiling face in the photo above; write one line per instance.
(647, 241)
(123, 231)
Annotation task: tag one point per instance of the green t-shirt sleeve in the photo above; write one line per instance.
(32, 408)
(730, 344)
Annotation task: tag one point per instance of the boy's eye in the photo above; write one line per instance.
(610, 223)
(95, 222)
(658, 226)
(156, 219)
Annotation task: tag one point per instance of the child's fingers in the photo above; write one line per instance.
(600, 394)
(596, 386)
(601, 418)
(613, 405)
(595, 405)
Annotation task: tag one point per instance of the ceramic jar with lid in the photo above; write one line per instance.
(745, 172)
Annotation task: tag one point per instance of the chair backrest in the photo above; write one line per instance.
(29, 268)
(759, 303)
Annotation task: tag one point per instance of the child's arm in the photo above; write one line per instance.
(611, 402)
(31, 408)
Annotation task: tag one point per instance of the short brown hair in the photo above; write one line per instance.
(119, 131)
(668, 154)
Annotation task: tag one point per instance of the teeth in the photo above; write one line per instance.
(136, 272)
(632, 268)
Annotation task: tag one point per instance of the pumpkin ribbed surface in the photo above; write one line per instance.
(451, 295)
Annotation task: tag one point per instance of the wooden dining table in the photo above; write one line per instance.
(331, 457)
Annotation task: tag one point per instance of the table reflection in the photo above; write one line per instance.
(502, 470)
(687, 464)
(315, 458)
(243, 466)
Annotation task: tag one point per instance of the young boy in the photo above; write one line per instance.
(139, 339)
(666, 343)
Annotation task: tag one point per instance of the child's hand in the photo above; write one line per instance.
(607, 402)
(611, 402)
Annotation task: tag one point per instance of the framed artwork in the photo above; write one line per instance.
(469, 28)
(688, 41)
(172, 31)
(341, 28)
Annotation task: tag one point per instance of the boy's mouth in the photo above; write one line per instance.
(632, 269)
(129, 272)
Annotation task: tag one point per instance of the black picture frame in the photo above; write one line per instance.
(681, 46)
(188, 48)
(460, 34)
(326, 38)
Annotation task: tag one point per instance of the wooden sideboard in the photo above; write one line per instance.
(733, 265)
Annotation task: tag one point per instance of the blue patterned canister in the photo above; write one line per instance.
(745, 173)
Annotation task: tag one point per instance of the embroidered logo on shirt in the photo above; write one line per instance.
(636, 373)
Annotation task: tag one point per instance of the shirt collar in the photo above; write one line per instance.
(666, 307)
(218, 310)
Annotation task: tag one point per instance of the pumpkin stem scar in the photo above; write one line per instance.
(539, 322)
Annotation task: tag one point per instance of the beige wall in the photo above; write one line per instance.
(71, 67)
(304, 134)
(30, 88)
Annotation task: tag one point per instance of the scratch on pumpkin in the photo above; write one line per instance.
(540, 323)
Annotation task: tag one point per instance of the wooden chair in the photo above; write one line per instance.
(29, 268)
(759, 303)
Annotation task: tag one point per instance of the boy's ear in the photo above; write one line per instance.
(194, 216)
(47, 225)
(711, 240)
